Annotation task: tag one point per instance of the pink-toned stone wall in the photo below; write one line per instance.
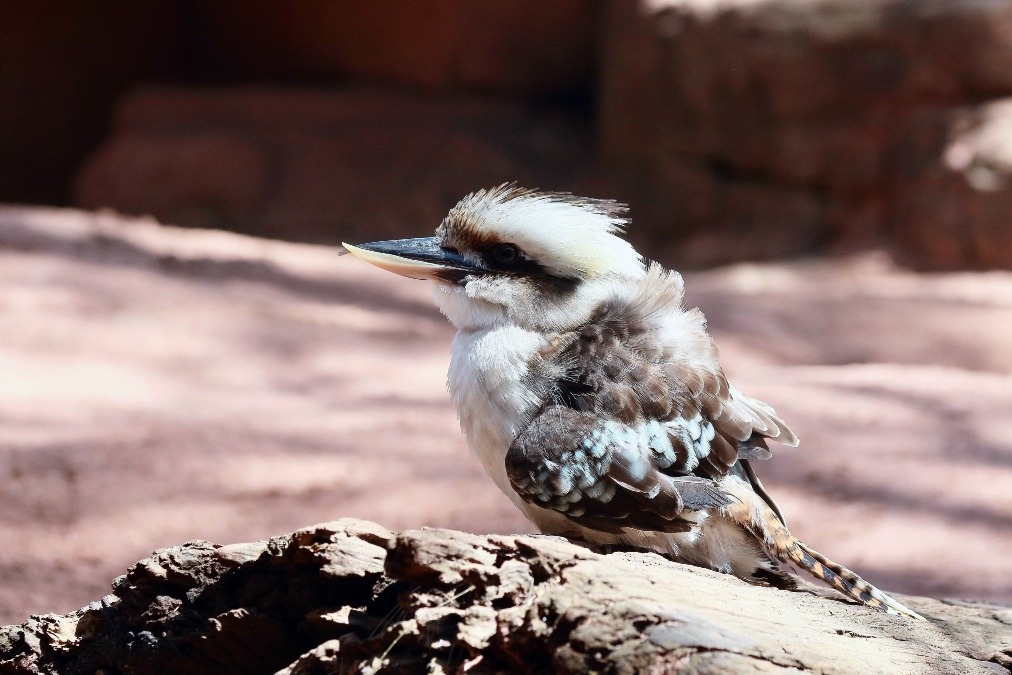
(324, 166)
(772, 128)
(62, 66)
(514, 46)
(745, 129)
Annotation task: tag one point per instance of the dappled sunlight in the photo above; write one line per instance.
(144, 404)
(902, 468)
(919, 550)
(857, 310)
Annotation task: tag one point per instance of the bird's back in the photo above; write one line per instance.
(639, 360)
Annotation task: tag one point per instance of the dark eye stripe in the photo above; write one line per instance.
(522, 266)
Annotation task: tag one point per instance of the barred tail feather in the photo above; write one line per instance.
(782, 545)
(845, 580)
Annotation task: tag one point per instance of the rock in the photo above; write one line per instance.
(434, 601)
(323, 165)
(203, 179)
(64, 67)
(737, 129)
(507, 46)
(767, 129)
(957, 212)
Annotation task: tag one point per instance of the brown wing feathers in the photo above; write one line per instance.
(643, 425)
(619, 371)
(601, 475)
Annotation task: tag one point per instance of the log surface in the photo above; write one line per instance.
(350, 596)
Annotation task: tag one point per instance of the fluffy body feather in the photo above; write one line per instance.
(504, 380)
(597, 403)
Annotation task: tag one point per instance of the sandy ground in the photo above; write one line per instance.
(161, 385)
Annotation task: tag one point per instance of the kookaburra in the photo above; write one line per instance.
(592, 398)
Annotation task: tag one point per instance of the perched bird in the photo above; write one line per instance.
(592, 398)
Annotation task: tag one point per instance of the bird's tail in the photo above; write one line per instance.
(778, 542)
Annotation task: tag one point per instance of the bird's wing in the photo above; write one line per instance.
(643, 423)
(647, 360)
(737, 426)
(605, 475)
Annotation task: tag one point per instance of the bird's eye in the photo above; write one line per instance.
(506, 254)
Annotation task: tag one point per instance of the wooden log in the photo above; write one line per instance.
(350, 596)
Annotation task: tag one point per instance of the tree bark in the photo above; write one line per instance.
(349, 596)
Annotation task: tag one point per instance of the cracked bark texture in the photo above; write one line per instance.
(350, 596)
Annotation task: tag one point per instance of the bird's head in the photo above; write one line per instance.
(509, 255)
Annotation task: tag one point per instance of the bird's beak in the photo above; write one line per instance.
(420, 258)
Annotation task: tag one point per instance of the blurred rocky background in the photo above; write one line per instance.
(737, 129)
(162, 384)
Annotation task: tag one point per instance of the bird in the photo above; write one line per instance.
(593, 398)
